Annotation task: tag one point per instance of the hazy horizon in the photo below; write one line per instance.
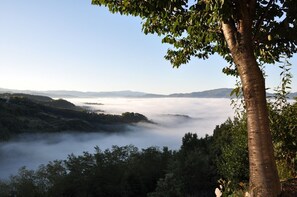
(119, 90)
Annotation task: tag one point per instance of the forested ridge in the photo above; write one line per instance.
(23, 113)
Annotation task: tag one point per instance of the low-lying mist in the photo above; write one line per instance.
(173, 117)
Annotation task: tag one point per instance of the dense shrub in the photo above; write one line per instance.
(284, 132)
(231, 151)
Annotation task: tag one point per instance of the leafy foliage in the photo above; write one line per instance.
(283, 90)
(283, 123)
(192, 166)
(193, 28)
(230, 148)
(120, 171)
(124, 171)
(284, 132)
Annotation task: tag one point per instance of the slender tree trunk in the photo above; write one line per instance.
(264, 180)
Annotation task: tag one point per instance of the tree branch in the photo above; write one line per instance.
(260, 21)
(229, 32)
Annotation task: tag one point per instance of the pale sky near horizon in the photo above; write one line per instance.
(72, 45)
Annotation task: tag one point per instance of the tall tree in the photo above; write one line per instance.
(246, 33)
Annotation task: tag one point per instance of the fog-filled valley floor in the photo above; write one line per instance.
(172, 117)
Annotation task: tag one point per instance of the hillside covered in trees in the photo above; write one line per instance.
(23, 113)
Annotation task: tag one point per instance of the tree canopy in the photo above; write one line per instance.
(193, 28)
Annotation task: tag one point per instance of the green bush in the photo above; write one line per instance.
(283, 123)
(231, 151)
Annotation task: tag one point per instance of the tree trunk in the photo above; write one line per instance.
(264, 180)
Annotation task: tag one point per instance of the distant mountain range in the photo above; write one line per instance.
(79, 94)
(215, 93)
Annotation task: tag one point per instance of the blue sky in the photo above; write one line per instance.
(72, 45)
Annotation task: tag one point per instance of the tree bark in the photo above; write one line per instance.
(264, 180)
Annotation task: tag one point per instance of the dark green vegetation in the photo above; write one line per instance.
(23, 113)
(193, 170)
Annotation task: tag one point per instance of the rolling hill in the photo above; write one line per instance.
(23, 113)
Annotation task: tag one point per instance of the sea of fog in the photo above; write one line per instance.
(173, 117)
